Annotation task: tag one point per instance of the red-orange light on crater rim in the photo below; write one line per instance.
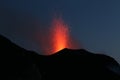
(60, 34)
(56, 38)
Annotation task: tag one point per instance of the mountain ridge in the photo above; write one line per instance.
(20, 64)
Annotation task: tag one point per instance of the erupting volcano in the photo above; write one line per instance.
(60, 34)
(56, 38)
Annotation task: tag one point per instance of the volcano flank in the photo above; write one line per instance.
(76, 64)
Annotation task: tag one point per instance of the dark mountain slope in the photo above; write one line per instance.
(20, 64)
(15, 62)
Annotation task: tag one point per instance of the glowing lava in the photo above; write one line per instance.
(55, 38)
(60, 34)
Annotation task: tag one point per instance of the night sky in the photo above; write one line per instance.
(94, 23)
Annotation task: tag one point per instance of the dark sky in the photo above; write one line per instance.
(94, 23)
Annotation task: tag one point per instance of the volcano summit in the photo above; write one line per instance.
(76, 64)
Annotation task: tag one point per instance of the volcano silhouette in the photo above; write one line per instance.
(20, 64)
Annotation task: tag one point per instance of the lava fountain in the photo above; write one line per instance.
(56, 38)
(60, 34)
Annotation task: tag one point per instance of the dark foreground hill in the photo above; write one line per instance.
(20, 64)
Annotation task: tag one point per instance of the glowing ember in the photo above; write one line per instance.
(60, 34)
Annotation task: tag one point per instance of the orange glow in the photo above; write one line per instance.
(55, 38)
(60, 33)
